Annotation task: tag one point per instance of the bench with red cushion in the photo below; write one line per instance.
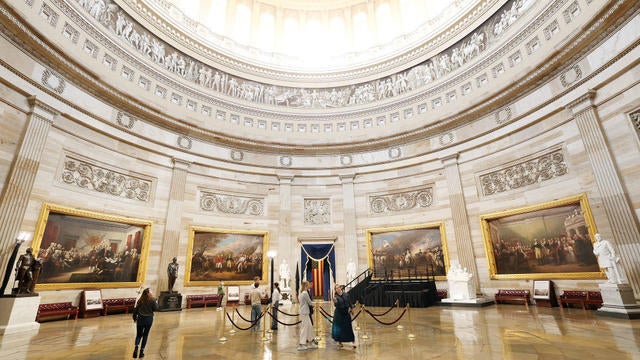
(204, 300)
(513, 295)
(119, 304)
(57, 310)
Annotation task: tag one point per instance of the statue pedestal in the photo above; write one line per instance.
(18, 314)
(618, 301)
(170, 301)
(463, 293)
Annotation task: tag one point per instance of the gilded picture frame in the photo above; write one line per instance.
(552, 240)
(82, 249)
(407, 249)
(232, 256)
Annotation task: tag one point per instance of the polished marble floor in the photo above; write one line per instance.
(493, 332)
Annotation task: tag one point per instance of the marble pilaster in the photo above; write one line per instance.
(620, 214)
(460, 218)
(173, 221)
(15, 198)
(284, 240)
(350, 242)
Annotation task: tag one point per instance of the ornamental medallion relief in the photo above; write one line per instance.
(85, 175)
(231, 204)
(401, 201)
(317, 211)
(538, 169)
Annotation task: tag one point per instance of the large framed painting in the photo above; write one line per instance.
(408, 251)
(545, 241)
(84, 249)
(232, 256)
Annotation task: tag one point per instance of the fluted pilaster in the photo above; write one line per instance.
(625, 233)
(350, 242)
(22, 174)
(461, 229)
(285, 249)
(173, 222)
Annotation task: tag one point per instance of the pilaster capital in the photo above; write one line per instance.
(180, 164)
(285, 179)
(449, 160)
(582, 103)
(347, 178)
(42, 110)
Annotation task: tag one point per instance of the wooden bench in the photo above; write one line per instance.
(247, 299)
(442, 294)
(204, 300)
(580, 297)
(513, 295)
(57, 309)
(119, 304)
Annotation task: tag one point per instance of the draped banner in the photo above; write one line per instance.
(324, 257)
(317, 277)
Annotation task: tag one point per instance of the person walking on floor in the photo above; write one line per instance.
(256, 306)
(341, 330)
(275, 302)
(306, 328)
(143, 316)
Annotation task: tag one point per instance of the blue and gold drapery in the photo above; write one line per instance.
(319, 252)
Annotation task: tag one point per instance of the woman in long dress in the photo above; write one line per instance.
(342, 331)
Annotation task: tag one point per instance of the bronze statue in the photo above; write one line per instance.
(24, 272)
(172, 273)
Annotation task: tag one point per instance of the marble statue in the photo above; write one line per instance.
(460, 285)
(24, 271)
(285, 274)
(607, 259)
(351, 271)
(172, 273)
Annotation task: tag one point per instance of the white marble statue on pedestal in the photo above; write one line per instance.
(617, 295)
(607, 259)
(285, 274)
(460, 285)
(351, 271)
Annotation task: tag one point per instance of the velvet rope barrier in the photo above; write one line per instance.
(282, 312)
(282, 323)
(238, 327)
(386, 312)
(325, 312)
(386, 323)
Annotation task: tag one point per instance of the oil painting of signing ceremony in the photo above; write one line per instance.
(552, 240)
(84, 250)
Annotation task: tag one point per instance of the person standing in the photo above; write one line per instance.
(275, 302)
(341, 330)
(256, 306)
(143, 316)
(306, 328)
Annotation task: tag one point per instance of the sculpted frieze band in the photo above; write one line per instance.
(317, 211)
(89, 176)
(231, 204)
(401, 201)
(115, 20)
(541, 168)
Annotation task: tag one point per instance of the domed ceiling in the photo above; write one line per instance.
(313, 35)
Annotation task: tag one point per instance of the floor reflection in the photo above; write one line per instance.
(494, 332)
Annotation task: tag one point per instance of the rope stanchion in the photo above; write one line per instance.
(264, 324)
(222, 337)
(399, 327)
(411, 335)
(233, 330)
(364, 322)
(236, 325)
(316, 324)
